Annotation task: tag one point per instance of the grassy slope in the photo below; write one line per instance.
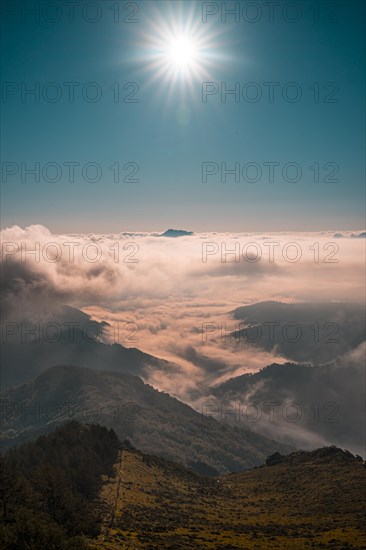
(309, 501)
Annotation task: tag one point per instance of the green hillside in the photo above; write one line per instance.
(79, 488)
(309, 500)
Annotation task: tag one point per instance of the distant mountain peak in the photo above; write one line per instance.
(176, 233)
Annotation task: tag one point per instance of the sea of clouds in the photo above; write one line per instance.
(173, 292)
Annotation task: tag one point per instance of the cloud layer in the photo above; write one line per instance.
(177, 293)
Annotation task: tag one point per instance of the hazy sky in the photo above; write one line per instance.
(170, 131)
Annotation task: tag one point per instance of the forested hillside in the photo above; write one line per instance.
(49, 488)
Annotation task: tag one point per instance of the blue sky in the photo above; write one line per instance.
(169, 132)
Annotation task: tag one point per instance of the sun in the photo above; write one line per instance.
(182, 52)
(175, 53)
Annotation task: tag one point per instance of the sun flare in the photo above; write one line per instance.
(182, 52)
(176, 52)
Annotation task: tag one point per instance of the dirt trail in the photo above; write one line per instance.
(118, 489)
(110, 495)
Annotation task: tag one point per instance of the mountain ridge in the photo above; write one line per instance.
(154, 421)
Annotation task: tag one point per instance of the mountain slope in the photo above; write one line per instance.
(76, 340)
(310, 406)
(316, 332)
(80, 488)
(155, 422)
(306, 500)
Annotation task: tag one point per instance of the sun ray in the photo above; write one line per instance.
(177, 52)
